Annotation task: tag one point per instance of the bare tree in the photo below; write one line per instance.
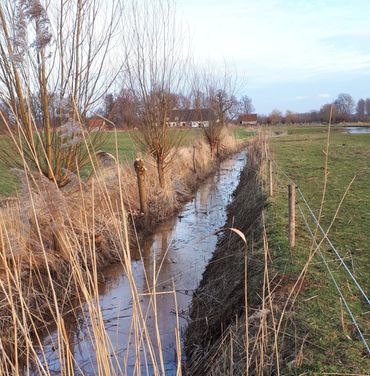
(290, 117)
(328, 111)
(275, 117)
(52, 62)
(367, 106)
(122, 110)
(344, 105)
(198, 97)
(216, 91)
(360, 108)
(155, 68)
(246, 106)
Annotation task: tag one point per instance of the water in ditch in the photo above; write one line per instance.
(182, 245)
(357, 130)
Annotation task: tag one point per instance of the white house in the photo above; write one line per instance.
(194, 118)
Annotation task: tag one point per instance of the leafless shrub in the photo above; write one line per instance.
(155, 67)
(216, 91)
(52, 80)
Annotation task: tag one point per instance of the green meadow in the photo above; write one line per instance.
(331, 342)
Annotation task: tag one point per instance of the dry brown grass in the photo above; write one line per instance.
(53, 244)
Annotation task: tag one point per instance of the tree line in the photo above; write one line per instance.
(343, 109)
(123, 109)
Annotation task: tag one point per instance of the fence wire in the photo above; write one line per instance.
(336, 283)
(338, 256)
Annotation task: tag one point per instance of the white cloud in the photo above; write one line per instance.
(279, 40)
(323, 95)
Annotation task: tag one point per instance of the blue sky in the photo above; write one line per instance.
(293, 54)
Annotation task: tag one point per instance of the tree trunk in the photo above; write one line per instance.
(212, 147)
(161, 177)
(218, 149)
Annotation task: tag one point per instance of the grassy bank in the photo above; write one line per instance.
(220, 335)
(296, 322)
(332, 342)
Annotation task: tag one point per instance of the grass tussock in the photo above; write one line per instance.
(54, 243)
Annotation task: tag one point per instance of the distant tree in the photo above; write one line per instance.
(198, 98)
(275, 117)
(313, 117)
(108, 105)
(183, 101)
(122, 110)
(223, 105)
(360, 109)
(245, 105)
(324, 114)
(344, 106)
(367, 106)
(262, 119)
(290, 117)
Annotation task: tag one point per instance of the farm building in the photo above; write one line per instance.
(95, 122)
(248, 119)
(194, 118)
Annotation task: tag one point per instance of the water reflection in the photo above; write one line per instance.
(180, 249)
(357, 130)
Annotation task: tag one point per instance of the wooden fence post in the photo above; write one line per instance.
(291, 202)
(141, 172)
(271, 181)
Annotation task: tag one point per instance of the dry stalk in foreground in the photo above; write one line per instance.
(53, 245)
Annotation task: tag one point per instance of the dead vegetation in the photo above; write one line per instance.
(53, 244)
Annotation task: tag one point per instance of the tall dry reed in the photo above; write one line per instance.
(53, 245)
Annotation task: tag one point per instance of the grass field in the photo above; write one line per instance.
(127, 150)
(332, 344)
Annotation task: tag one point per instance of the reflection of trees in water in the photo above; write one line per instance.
(156, 246)
(205, 196)
(157, 264)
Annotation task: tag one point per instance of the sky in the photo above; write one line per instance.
(290, 54)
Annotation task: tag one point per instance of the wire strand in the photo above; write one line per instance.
(340, 258)
(336, 284)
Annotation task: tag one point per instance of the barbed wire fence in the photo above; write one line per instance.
(301, 200)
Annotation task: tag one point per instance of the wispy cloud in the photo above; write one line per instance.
(281, 40)
(292, 52)
(324, 95)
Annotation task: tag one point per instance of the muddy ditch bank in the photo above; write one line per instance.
(218, 306)
(181, 247)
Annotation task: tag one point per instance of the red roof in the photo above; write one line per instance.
(248, 117)
(95, 122)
